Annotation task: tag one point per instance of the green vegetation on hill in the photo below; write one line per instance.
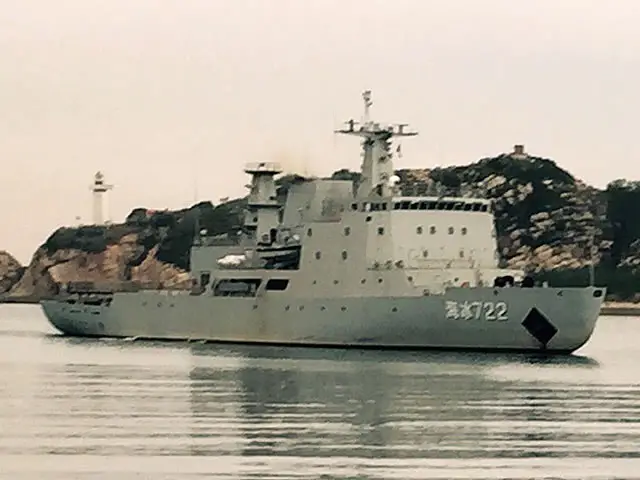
(536, 204)
(90, 238)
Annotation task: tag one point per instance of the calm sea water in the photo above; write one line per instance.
(95, 409)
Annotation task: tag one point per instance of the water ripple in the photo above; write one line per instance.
(102, 409)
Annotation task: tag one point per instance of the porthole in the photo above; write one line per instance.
(347, 231)
(380, 230)
(363, 281)
(463, 230)
(379, 280)
(309, 233)
(287, 307)
(344, 254)
(425, 253)
(419, 230)
(394, 309)
(450, 230)
(432, 230)
(318, 255)
(335, 282)
(461, 253)
(301, 307)
(344, 309)
(368, 219)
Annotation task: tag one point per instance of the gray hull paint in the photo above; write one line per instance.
(407, 322)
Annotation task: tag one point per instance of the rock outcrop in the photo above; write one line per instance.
(10, 272)
(117, 264)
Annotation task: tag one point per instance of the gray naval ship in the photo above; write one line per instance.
(339, 265)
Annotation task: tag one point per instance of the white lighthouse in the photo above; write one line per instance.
(99, 189)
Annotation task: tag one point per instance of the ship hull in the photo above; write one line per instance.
(514, 319)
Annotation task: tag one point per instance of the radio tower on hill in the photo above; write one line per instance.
(99, 189)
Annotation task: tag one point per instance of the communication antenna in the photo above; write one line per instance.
(366, 97)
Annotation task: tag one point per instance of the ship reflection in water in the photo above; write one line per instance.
(104, 409)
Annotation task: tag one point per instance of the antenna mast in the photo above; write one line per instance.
(366, 96)
(377, 162)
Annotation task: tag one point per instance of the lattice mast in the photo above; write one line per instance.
(377, 156)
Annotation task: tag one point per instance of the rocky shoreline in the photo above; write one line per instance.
(547, 222)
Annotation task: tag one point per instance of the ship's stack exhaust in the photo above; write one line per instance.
(262, 217)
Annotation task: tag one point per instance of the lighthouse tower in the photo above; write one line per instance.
(99, 189)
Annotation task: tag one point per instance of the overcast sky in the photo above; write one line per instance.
(171, 98)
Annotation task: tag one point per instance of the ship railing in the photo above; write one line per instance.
(123, 286)
(215, 242)
(419, 263)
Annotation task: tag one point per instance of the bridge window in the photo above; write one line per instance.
(485, 208)
(415, 205)
(419, 230)
(277, 284)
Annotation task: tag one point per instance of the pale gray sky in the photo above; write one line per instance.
(151, 91)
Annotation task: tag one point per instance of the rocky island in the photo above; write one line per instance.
(547, 222)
